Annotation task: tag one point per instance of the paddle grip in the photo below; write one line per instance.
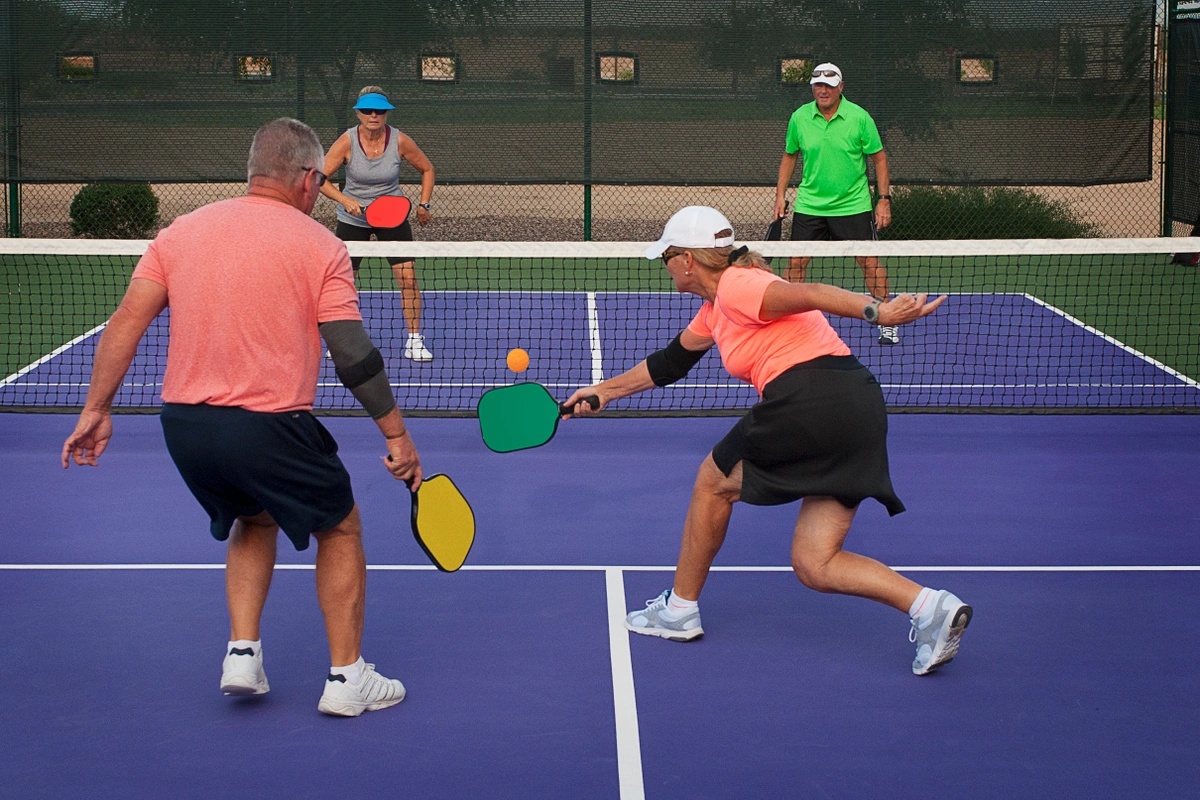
(592, 400)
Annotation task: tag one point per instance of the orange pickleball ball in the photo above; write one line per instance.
(518, 360)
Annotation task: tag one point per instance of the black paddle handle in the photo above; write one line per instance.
(592, 400)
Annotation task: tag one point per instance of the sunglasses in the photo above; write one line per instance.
(824, 73)
(371, 112)
(321, 177)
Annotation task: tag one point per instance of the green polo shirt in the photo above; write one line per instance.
(834, 153)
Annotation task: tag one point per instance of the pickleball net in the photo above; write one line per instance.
(1090, 325)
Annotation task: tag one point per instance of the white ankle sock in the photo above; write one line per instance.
(352, 673)
(678, 608)
(922, 608)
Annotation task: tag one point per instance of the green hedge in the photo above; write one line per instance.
(971, 212)
(114, 211)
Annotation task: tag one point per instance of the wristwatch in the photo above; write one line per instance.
(885, 197)
(871, 312)
(425, 206)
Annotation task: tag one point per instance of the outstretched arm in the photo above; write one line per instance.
(783, 298)
(670, 363)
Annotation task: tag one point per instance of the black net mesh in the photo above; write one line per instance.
(1085, 325)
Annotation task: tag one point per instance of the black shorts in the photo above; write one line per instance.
(820, 430)
(850, 228)
(358, 233)
(239, 463)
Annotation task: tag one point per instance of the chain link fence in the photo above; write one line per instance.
(567, 120)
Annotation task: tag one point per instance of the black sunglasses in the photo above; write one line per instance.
(370, 112)
(321, 177)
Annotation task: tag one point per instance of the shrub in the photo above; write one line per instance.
(973, 212)
(114, 211)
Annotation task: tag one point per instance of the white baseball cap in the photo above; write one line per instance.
(820, 74)
(694, 226)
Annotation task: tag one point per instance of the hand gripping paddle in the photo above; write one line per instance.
(388, 211)
(521, 416)
(443, 522)
(775, 230)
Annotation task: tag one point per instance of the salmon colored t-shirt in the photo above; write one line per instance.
(248, 280)
(754, 350)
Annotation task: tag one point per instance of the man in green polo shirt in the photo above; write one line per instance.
(833, 202)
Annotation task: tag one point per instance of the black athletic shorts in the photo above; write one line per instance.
(239, 463)
(358, 233)
(821, 430)
(850, 228)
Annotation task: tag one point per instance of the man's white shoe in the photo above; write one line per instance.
(372, 693)
(242, 672)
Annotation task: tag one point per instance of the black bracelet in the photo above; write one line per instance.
(885, 197)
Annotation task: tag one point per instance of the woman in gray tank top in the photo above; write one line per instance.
(372, 153)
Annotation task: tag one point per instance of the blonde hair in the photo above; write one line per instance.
(716, 259)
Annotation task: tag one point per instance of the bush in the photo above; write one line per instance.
(114, 211)
(973, 212)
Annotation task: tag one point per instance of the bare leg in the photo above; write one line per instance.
(796, 269)
(713, 496)
(875, 275)
(410, 294)
(821, 564)
(249, 565)
(342, 587)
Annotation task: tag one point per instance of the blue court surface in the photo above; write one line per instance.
(1074, 538)
(978, 351)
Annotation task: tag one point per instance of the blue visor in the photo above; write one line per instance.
(374, 102)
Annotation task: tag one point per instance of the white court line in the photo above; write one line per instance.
(593, 315)
(629, 742)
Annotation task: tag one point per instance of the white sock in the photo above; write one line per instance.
(678, 608)
(352, 673)
(922, 608)
(245, 644)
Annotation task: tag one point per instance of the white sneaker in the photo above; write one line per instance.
(242, 673)
(651, 622)
(372, 693)
(888, 334)
(416, 350)
(937, 640)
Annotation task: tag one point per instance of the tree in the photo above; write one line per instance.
(329, 39)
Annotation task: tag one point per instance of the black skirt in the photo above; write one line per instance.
(821, 430)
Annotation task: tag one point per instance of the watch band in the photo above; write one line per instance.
(885, 197)
(871, 312)
(425, 206)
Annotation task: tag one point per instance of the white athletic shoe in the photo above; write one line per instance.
(242, 672)
(372, 693)
(650, 621)
(937, 640)
(416, 350)
(888, 334)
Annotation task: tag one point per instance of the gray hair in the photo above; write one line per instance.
(282, 148)
(371, 90)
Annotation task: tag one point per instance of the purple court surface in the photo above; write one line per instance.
(1075, 538)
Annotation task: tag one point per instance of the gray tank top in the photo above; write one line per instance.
(370, 178)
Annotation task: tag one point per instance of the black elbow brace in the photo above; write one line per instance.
(354, 376)
(672, 363)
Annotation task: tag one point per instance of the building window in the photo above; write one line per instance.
(255, 67)
(795, 69)
(439, 67)
(617, 67)
(977, 69)
(77, 67)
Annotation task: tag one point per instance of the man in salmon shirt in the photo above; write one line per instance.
(818, 435)
(254, 284)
